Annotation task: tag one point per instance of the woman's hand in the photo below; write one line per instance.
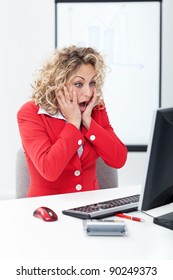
(69, 107)
(86, 115)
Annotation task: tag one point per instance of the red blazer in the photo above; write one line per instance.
(51, 146)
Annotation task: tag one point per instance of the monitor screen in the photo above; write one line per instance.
(157, 189)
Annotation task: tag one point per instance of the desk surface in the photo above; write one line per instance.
(23, 236)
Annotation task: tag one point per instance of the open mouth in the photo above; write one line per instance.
(83, 105)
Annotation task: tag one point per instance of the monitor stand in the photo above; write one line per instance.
(164, 220)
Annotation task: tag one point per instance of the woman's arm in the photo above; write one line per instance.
(105, 141)
(49, 158)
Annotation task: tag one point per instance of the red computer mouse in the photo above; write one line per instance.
(46, 214)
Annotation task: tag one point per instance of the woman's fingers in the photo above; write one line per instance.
(94, 98)
(92, 101)
(74, 97)
(60, 97)
(67, 95)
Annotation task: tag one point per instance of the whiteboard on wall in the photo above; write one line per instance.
(128, 36)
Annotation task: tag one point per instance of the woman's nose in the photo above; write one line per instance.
(88, 91)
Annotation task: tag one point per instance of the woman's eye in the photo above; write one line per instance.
(78, 85)
(92, 84)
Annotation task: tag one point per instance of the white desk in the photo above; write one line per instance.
(23, 236)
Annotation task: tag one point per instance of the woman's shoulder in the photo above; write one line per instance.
(28, 107)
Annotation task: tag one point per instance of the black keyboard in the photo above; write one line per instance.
(105, 208)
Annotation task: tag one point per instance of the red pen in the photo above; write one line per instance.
(122, 215)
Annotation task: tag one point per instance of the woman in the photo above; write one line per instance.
(65, 127)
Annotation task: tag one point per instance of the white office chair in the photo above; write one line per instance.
(107, 176)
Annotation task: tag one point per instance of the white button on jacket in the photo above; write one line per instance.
(80, 142)
(78, 187)
(77, 172)
(92, 137)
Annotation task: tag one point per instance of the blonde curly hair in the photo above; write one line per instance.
(60, 69)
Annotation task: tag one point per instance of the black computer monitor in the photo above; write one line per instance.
(157, 189)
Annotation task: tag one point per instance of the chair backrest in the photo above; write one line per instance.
(107, 176)
(22, 175)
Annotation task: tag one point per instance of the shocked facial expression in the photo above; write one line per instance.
(84, 84)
